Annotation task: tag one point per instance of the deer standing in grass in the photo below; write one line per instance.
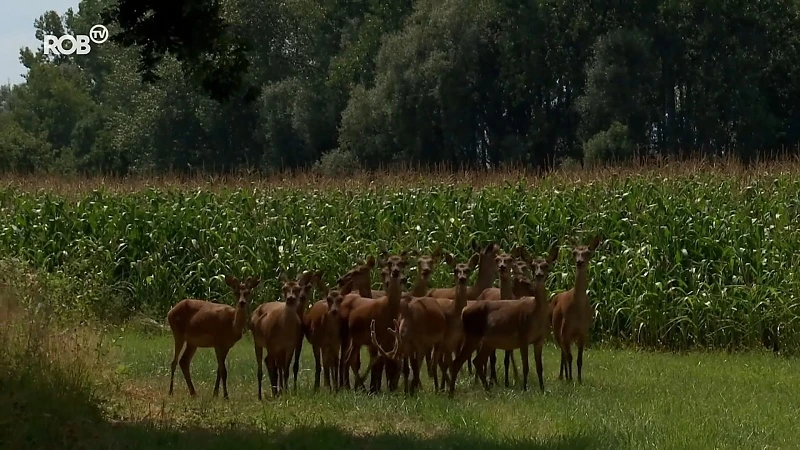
(302, 306)
(277, 330)
(505, 269)
(454, 331)
(202, 324)
(321, 327)
(487, 272)
(509, 325)
(421, 326)
(359, 280)
(383, 310)
(572, 314)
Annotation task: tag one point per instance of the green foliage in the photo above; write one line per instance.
(613, 144)
(697, 260)
(337, 163)
(421, 83)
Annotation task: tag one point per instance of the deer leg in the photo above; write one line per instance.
(523, 354)
(431, 368)
(296, 366)
(415, 368)
(537, 354)
(393, 370)
(492, 369)
(185, 363)
(565, 347)
(178, 347)
(222, 371)
(506, 361)
(580, 344)
(317, 368)
(463, 355)
(272, 369)
(483, 355)
(327, 369)
(344, 375)
(259, 359)
(445, 361)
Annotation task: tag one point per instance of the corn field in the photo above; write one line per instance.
(701, 259)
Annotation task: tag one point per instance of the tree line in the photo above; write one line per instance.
(339, 84)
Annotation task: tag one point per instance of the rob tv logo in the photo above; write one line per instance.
(69, 44)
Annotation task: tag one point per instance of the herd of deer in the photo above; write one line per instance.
(443, 326)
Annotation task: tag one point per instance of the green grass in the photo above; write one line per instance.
(628, 399)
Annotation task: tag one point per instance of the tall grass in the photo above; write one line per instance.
(694, 255)
(48, 371)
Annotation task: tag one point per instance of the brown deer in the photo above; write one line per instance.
(302, 306)
(383, 310)
(202, 324)
(487, 271)
(277, 330)
(421, 326)
(425, 265)
(506, 267)
(454, 332)
(321, 327)
(509, 325)
(572, 313)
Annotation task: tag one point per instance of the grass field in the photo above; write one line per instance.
(628, 399)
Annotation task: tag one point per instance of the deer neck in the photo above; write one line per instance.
(540, 294)
(506, 288)
(486, 275)
(394, 293)
(581, 283)
(364, 289)
(239, 319)
(460, 300)
(420, 287)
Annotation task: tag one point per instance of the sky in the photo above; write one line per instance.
(16, 31)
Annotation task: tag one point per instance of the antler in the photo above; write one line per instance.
(392, 354)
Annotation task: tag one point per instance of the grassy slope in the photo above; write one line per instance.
(628, 400)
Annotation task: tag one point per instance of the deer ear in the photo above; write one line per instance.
(283, 278)
(370, 261)
(448, 258)
(493, 247)
(473, 261)
(594, 243)
(553, 253)
(305, 277)
(522, 253)
(437, 252)
(252, 282)
(231, 281)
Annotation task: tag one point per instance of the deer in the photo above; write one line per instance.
(487, 271)
(383, 310)
(302, 306)
(203, 324)
(361, 282)
(509, 324)
(421, 326)
(572, 316)
(321, 328)
(454, 332)
(506, 268)
(277, 330)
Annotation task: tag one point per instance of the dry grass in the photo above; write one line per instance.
(400, 176)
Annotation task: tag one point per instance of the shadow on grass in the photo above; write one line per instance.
(141, 436)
